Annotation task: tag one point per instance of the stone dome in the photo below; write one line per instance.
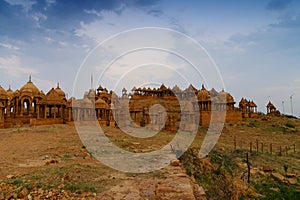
(203, 94)
(29, 88)
(243, 103)
(52, 97)
(100, 103)
(176, 89)
(86, 103)
(225, 95)
(3, 93)
(75, 103)
(10, 93)
(270, 105)
(213, 92)
(252, 104)
(60, 92)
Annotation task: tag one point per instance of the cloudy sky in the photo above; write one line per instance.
(255, 44)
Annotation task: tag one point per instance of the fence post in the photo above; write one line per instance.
(248, 167)
(262, 147)
(250, 147)
(280, 152)
(271, 148)
(286, 150)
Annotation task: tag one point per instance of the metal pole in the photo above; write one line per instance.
(291, 98)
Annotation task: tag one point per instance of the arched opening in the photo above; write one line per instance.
(11, 110)
(26, 106)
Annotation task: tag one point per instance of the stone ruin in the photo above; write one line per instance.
(155, 108)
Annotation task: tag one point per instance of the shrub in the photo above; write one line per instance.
(290, 125)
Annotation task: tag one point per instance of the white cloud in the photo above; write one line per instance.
(26, 4)
(38, 18)
(11, 66)
(93, 11)
(9, 46)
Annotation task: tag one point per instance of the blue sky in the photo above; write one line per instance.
(255, 44)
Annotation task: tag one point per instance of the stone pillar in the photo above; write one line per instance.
(37, 111)
(45, 112)
(1, 116)
(22, 108)
(78, 114)
(54, 112)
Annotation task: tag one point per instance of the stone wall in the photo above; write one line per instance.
(39, 122)
(231, 116)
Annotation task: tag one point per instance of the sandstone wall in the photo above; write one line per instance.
(39, 122)
(231, 116)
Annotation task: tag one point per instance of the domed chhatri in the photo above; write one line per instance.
(60, 92)
(31, 105)
(29, 88)
(29, 102)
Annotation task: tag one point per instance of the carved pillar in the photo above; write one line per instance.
(45, 112)
(54, 111)
(38, 111)
(22, 108)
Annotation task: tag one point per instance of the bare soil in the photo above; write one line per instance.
(51, 160)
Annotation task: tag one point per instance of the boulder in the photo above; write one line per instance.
(175, 162)
(292, 181)
(267, 168)
(278, 176)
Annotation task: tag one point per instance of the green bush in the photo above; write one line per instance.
(290, 125)
(276, 190)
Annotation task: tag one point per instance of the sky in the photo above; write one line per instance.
(254, 44)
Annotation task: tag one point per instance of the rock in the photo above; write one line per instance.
(175, 188)
(278, 176)
(242, 165)
(254, 171)
(67, 177)
(222, 149)
(291, 175)
(261, 173)
(53, 161)
(40, 190)
(10, 176)
(199, 192)
(292, 181)
(267, 168)
(29, 197)
(175, 162)
(275, 189)
(9, 195)
(23, 193)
